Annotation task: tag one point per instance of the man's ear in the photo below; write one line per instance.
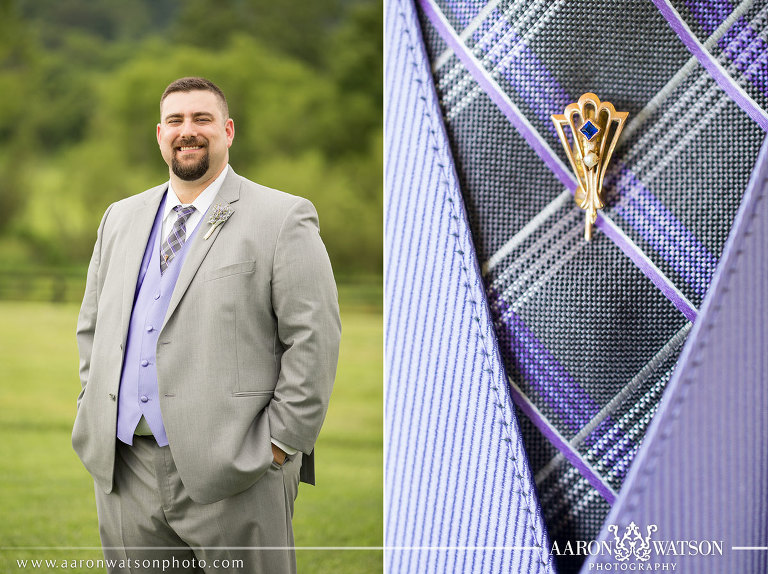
(229, 128)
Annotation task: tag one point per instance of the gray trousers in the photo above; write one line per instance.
(149, 524)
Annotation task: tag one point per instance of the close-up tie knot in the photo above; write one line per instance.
(184, 212)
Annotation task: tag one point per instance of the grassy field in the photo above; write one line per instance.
(46, 496)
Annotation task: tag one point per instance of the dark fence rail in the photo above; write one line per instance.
(55, 285)
(66, 285)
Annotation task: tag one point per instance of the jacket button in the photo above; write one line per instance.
(111, 396)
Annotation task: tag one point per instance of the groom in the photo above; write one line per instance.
(208, 339)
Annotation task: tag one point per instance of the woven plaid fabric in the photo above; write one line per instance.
(177, 236)
(589, 342)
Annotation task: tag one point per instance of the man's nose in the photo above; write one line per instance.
(188, 128)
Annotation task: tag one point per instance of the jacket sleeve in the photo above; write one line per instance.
(86, 321)
(305, 303)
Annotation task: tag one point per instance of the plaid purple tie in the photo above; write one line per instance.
(175, 240)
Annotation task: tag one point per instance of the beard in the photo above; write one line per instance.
(190, 171)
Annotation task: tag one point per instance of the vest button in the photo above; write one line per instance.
(149, 328)
(157, 295)
(144, 398)
(144, 363)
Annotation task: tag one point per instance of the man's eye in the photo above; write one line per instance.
(173, 122)
(203, 120)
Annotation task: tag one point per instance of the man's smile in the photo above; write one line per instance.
(188, 149)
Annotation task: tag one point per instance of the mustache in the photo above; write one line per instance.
(190, 142)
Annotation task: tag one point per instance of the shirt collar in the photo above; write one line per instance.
(202, 202)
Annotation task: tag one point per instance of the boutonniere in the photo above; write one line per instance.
(219, 214)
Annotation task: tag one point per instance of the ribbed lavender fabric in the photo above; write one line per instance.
(459, 495)
(702, 473)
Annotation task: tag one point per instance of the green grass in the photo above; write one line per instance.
(46, 496)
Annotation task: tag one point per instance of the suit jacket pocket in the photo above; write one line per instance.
(234, 307)
(251, 393)
(227, 270)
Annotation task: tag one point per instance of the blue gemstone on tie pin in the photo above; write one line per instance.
(589, 130)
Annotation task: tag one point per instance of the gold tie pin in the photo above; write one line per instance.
(595, 127)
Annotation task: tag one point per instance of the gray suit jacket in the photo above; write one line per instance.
(248, 348)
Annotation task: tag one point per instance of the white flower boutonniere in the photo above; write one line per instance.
(219, 214)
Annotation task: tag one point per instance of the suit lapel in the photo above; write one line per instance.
(198, 249)
(135, 246)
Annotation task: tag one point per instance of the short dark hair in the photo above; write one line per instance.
(192, 84)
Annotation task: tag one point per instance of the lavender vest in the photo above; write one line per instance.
(139, 394)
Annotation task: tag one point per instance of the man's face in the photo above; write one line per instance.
(193, 134)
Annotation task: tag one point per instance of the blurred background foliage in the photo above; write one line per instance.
(81, 81)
